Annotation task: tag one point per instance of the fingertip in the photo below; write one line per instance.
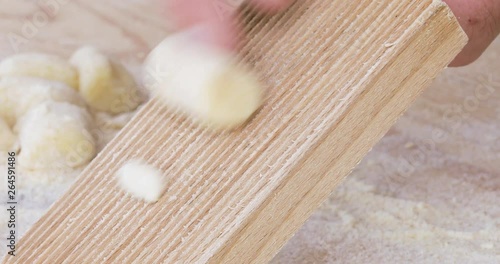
(217, 34)
(466, 57)
(272, 5)
(186, 13)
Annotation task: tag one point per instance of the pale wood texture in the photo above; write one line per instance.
(339, 74)
(432, 180)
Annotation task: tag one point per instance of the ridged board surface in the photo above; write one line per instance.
(338, 73)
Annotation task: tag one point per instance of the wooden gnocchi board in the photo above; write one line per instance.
(338, 73)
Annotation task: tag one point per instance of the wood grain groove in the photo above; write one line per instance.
(86, 183)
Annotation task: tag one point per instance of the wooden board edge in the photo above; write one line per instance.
(283, 213)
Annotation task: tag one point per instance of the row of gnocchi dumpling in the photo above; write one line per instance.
(44, 103)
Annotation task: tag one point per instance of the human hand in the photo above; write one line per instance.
(215, 17)
(480, 19)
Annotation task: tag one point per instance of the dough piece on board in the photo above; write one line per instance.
(206, 83)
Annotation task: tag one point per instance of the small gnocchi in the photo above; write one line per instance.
(19, 94)
(206, 83)
(44, 99)
(40, 65)
(55, 135)
(7, 137)
(105, 84)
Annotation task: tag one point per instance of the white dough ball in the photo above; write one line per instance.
(55, 135)
(141, 180)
